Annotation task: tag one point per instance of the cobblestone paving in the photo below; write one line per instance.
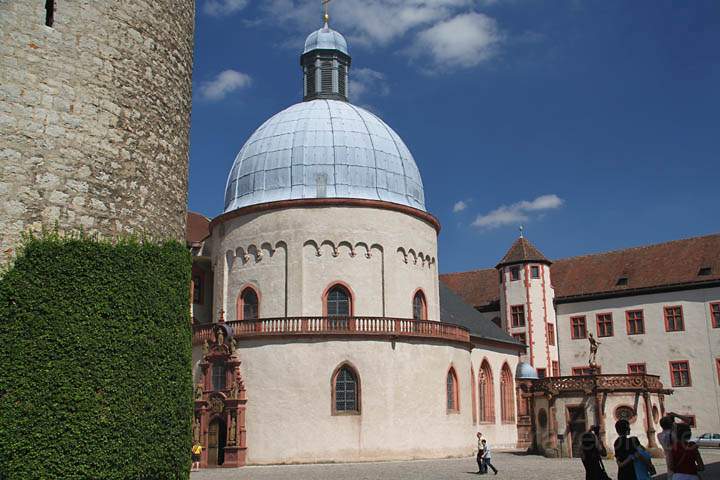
(511, 466)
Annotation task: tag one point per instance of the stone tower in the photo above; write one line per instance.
(94, 116)
(527, 305)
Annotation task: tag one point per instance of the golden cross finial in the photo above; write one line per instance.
(326, 15)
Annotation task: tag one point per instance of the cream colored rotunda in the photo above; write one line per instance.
(319, 333)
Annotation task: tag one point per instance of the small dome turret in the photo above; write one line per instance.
(525, 371)
(326, 65)
(326, 39)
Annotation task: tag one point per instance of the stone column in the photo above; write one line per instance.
(649, 421)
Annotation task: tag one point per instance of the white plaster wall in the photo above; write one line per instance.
(384, 256)
(699, 344)
(403, 401)
(499, 434)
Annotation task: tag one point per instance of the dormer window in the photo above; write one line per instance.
(704, 271)
(621, 282)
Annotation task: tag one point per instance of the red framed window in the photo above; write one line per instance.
(578, 327)
(680, 374)
(248, 304)
(507, 395)
(534, 271)
(715, 314)
(542, 373)
(636, 368)
(635, 322)
(551, 333)
(453, 400)
(717, 365)
(555, 368)
(520, 337)
(604, 325)
(419, 306)
(674, 319)
(517, 316)
(514, 273)
(584, 370)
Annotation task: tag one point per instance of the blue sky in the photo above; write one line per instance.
(594, 124)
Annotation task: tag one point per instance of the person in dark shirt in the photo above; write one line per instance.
(685, 458)
(592, 452)
(625, 449)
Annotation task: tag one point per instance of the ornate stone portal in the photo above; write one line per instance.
(220, 396)
(560, 408)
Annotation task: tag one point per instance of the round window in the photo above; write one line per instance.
(542, 418)
(625, 412)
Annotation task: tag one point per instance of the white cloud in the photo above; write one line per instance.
(217, 8)
(223, 84)
(517, 212)
(465, 40)
(448, 33)
(459, 206)
(371, 22)
(366, 82)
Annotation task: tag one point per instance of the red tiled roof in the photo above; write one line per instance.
(197, 229)
(522, 251)
(675, 263)
(477, 288)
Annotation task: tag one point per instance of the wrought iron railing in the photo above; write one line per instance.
(328, 326)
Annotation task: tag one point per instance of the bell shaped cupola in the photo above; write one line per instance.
(325, 62)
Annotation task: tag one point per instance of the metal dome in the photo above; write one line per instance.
(324, 149)
(525, 371)
(326, 39)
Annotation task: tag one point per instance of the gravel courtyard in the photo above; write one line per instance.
(511, 466)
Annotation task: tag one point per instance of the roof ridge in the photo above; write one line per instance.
(618, 250)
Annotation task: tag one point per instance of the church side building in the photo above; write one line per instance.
(321, 331)
(653, 309)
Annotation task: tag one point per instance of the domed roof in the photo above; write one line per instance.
(326, 39)
(324, 149)
(525, 371)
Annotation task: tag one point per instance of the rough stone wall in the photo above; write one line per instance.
(94, 117)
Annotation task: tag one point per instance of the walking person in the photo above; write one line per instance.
(685, 458)
(196, 451)
(592, 452)
(481, 464)
(487, 457)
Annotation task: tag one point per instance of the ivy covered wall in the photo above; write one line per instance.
(95, 361)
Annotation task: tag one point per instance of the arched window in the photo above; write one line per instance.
(338, 302)
(453, 402)
(345, 391)
(486, 396)
(419, 306)
(507, 395)
(248, 307)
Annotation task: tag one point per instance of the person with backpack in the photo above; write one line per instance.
(634, 462)
(685, 458)
(196, 451)
(592, 452)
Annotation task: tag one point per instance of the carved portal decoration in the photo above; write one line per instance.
(591, 393)
(223, 399)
